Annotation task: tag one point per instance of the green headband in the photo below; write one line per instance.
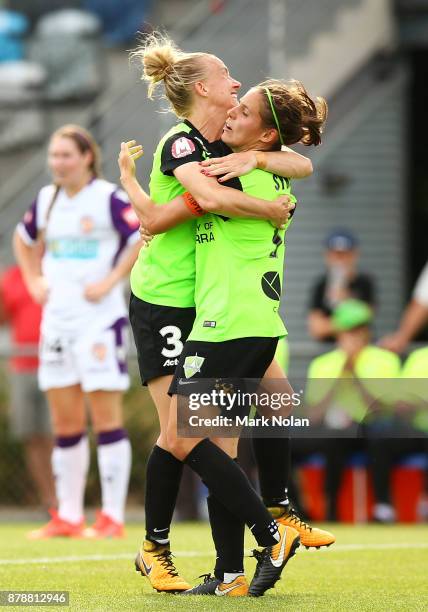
(274, 114)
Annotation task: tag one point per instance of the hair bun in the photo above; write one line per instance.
(159, 63)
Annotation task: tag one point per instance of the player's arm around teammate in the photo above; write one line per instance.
(211, 197)
(200, 91)
(285, 163)
(199, 88)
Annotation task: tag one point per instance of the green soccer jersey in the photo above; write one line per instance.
(164, 272)
(239, 268)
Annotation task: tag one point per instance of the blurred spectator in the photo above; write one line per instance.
(414, 318)
(29, 413)
(343, 384)
(415, 408)
(341, 281)
(121, 20)
(402, 432)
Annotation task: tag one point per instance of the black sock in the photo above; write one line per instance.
(163, 476)
(228, 536)
(273, 458)
(228, 483)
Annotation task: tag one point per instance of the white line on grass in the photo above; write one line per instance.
(78, 558)
(194, 553)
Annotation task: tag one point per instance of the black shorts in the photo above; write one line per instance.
(159, 333)
(220, 362)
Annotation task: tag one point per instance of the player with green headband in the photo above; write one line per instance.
(239, 266)
(275, 117)
(273, 456)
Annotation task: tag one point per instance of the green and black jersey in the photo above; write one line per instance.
(164, 272)
(239, 268)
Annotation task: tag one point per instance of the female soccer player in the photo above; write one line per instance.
(200, 90)
(201, 240)
(162, 307)
(91, 240)
(237, 292)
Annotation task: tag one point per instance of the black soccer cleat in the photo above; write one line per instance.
(207, 587)
(272, 560)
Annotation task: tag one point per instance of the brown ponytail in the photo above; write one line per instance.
(300, 118)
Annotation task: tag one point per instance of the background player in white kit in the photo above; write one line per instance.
(91, 240)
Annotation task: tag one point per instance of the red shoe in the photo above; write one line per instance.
(58, 528)
(104, 527)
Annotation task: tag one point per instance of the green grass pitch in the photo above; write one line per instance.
(369, 568)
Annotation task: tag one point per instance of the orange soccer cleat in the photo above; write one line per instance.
(236, 588)
(57, 528)
(104, 527)
(309, 536)
(154, 561)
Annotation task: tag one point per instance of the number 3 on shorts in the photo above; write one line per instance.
(172, 334)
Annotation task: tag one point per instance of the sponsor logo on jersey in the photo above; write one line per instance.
(209, 323)
(72, 248)
(130, 218)
(182, 147)
(86, 224)
(271, 285)
(99, 351)
(171, 362)
(192, 365)
(204, 236)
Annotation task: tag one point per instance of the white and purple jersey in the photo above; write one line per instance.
(85, 236)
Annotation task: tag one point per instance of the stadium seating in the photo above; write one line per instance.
(22, 119)
(75, 69)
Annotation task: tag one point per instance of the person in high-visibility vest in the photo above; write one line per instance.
(342, 386)
(408, 433)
